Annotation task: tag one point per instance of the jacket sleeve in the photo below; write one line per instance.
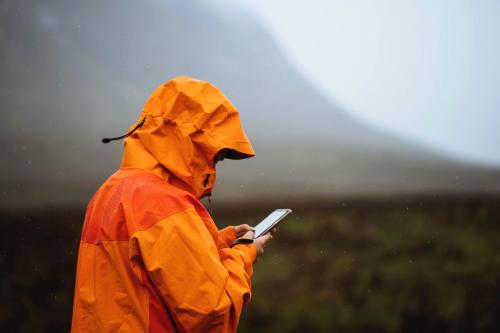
(204, 288)
(227, 236)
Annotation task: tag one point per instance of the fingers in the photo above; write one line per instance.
(275, 230)
(260, 242)
(248, 234)
(271, 232)
(242, 228)
(266, 237)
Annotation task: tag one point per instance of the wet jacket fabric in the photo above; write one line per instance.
(151, 259)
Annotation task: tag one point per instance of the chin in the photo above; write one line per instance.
(206, 194)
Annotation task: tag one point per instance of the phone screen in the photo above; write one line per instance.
(270, 221)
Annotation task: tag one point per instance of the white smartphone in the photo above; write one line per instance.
(270, 221)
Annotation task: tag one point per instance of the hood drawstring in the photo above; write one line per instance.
(106, 140)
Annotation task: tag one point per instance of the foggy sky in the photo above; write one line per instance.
(427, 70)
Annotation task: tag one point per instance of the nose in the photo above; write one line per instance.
(205, 181)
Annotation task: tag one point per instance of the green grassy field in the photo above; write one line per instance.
(414, 265)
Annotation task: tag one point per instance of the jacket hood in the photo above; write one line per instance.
(187, 122)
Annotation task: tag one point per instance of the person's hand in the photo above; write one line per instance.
(260, 243)
(242, 229)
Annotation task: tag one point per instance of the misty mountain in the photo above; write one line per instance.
(76, 71)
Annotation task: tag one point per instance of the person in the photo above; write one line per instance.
(151, 259)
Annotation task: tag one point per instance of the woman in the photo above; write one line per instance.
(151, 258)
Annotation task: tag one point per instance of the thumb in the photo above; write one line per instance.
(246, 227)
(248, 234)
(242, 228)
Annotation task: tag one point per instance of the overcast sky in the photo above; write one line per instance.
(426, 69)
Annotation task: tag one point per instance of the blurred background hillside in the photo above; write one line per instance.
(376, 123)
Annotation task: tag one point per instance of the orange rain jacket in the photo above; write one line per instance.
(151, 258)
